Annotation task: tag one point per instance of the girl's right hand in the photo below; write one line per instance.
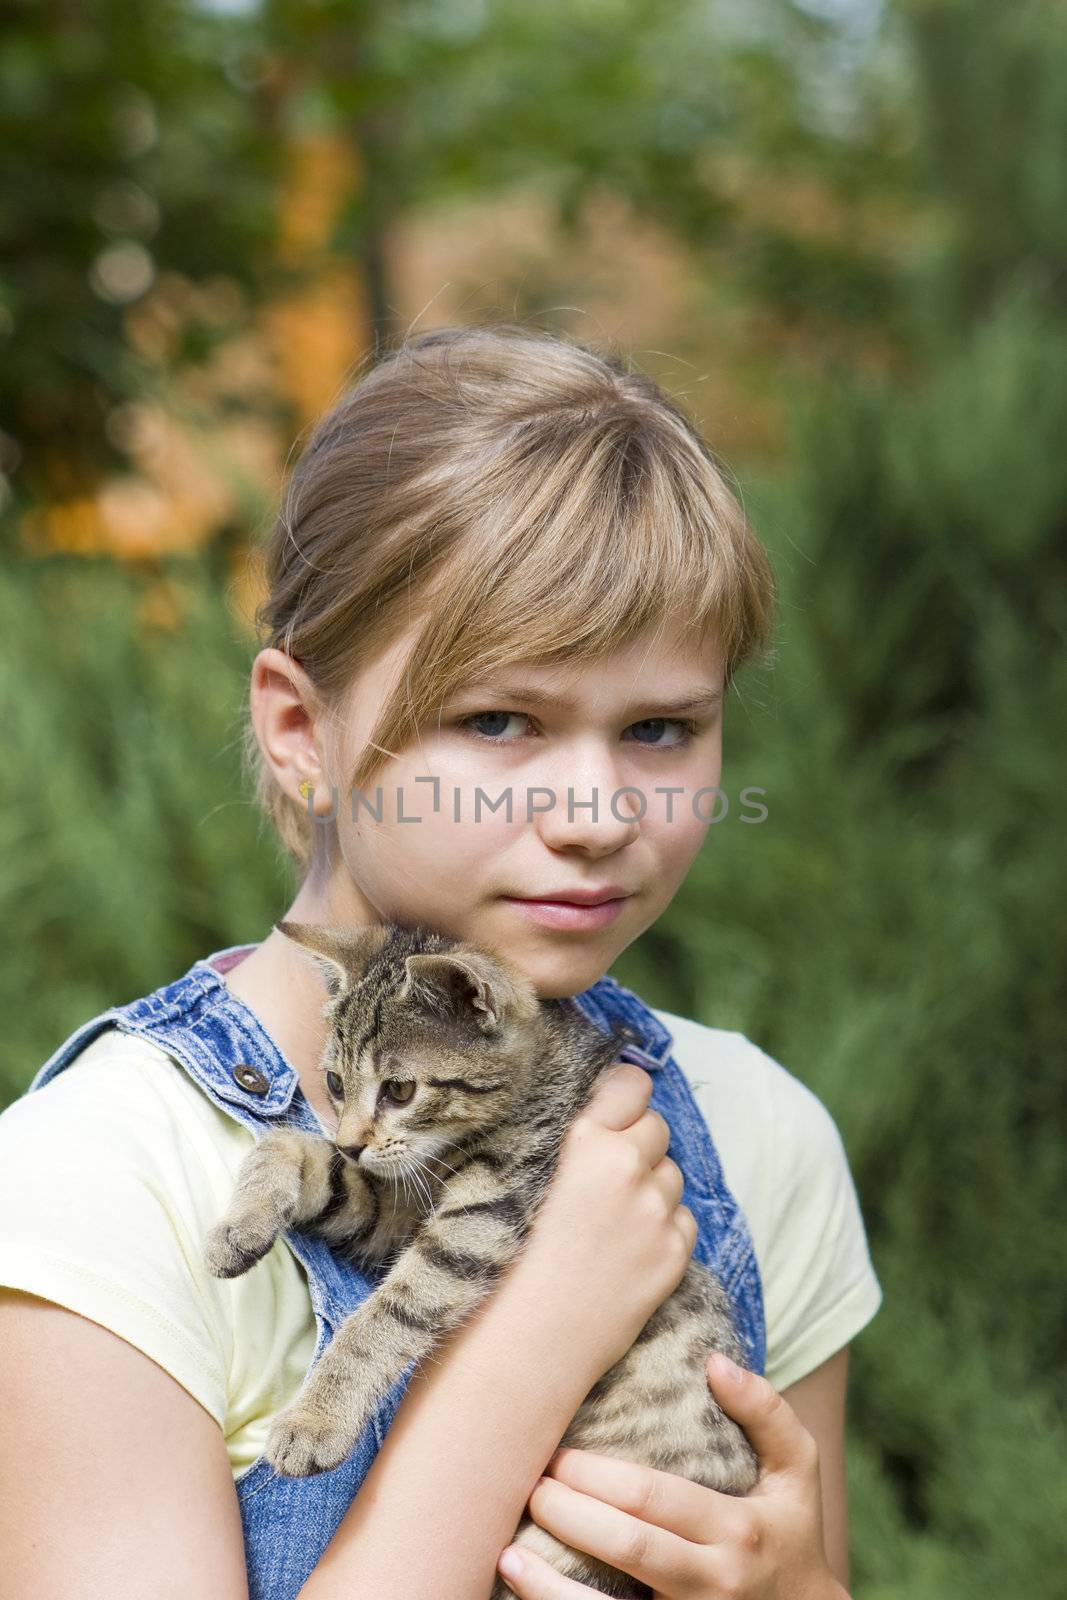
(611, 1241)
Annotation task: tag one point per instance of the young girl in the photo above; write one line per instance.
(506, 595)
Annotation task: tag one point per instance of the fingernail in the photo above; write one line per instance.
(510, 1563)
(728, 1368)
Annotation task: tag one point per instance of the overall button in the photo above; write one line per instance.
(251, 1078)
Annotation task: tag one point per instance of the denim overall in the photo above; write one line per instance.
(223, 1046)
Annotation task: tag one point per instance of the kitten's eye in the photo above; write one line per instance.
(335, 1085)
(398, 1092)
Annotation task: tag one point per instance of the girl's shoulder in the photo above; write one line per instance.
(110, 1176)
(749, 1099)
(785, 1162)
(124, 1096)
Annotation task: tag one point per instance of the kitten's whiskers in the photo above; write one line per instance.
(417, 1177)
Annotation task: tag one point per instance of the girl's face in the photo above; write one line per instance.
(646, 720)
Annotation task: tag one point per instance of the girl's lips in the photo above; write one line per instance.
(564, 914)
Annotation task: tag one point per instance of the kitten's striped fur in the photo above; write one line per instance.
(499, 1076)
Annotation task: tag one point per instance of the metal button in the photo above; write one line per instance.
(251, 1078)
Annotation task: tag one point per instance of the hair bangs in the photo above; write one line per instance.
(615, 542)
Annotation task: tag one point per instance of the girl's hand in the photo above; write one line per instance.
(687, 1542)
(610, 1240)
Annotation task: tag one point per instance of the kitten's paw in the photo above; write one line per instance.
(231, 1248)
(302, 1442)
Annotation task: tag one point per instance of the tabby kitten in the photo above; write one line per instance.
(454, 1086)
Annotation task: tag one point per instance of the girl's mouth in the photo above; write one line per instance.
(564, 914)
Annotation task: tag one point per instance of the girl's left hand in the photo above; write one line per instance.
(687, 1542)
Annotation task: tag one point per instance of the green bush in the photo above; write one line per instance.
(129, 845)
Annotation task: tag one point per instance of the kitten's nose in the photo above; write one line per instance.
(353, 1151)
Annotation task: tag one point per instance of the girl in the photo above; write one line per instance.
(506, 594)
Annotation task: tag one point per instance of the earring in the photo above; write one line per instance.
(306, 788)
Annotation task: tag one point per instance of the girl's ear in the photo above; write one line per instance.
(470, 984)
(341, 956)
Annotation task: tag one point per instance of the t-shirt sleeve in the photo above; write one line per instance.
(99, 1212)
(820, 1287)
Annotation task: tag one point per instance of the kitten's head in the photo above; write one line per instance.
(431, 1038)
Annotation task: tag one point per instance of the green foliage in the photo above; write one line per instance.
(128, 844)
(894, 932)
(896, 939)
(124, 150)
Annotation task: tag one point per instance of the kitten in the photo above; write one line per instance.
(454, 1086)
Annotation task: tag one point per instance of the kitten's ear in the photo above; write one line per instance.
(470, 983)
(341, 956)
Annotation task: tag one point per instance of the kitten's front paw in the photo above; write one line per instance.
(303, 1441)
(230, 1248)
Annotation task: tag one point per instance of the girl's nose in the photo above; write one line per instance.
(587, 817)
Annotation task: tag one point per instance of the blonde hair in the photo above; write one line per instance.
(528, 498)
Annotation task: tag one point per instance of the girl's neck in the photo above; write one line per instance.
(287, 998)
(281, 985)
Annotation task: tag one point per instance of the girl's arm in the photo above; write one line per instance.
(114, 1481)
(473, 1433)
(819, 1402)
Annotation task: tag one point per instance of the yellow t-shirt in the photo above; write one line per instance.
(112, 1173)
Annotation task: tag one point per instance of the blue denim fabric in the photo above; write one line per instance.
(216, 1037)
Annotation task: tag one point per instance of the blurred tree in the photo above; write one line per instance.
(126, 152)
(933, 500)
(994, 124)
(190, 165)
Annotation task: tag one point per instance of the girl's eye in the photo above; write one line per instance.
(687, 729)
(488, 716)
(399, 1093)
(335, 1085)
